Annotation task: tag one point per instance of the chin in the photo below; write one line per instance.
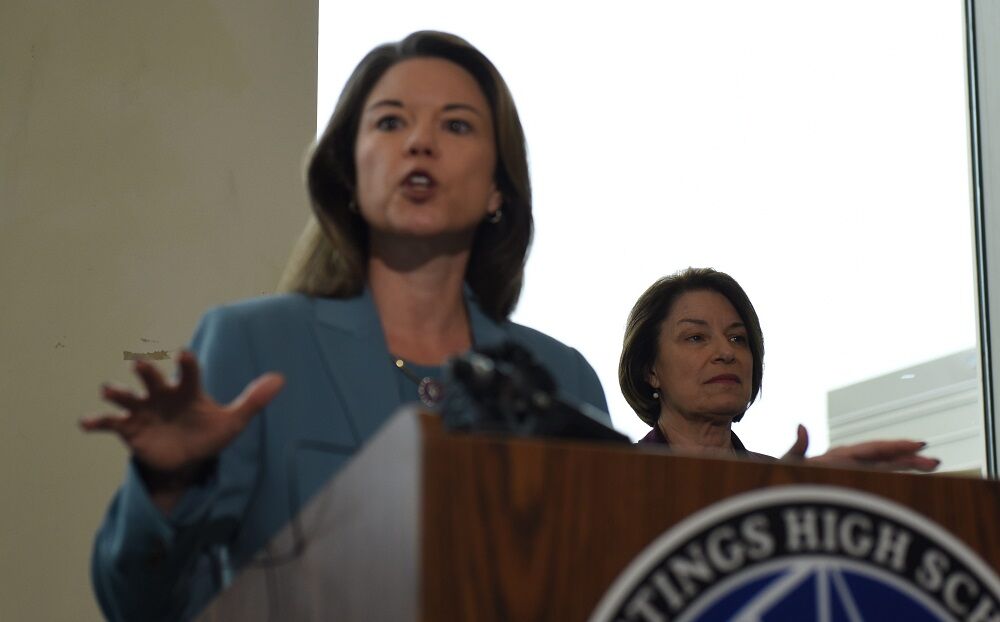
(727, 417)
(430, 224)
(727, 412)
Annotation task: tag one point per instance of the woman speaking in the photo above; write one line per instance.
(422, 205)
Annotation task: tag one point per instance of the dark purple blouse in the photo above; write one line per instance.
(656, 437)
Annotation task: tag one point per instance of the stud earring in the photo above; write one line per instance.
(496, 216)
(656, 395)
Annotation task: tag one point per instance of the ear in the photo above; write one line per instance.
(495, 201)
(652, 379)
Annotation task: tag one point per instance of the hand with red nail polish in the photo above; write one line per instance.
(890, 455)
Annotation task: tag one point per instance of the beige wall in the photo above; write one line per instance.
(150, 158)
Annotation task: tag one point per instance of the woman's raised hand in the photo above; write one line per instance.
(177, 427)
(895, 455)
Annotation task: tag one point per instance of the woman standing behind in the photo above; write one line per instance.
(693, 362)
(422, 201)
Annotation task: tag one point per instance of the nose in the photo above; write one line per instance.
(725, 353)
(421, 141)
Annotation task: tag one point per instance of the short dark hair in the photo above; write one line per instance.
(642, 334)
(336, 263)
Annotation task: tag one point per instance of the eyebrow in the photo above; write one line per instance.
(392, 103)
(395, 103)
(687, 320)
(470, 108)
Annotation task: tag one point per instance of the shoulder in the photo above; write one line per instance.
(653, 437)
(250, 321)
(289, 324)
(295, 312)
(551, 352)
(741, 450)
(573, 374)
(541, 344)
(263, 308)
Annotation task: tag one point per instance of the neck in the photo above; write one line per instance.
(417, 289)
(700, 434)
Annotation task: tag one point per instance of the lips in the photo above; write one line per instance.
(725, 379)
(419, 178)
(418, 185)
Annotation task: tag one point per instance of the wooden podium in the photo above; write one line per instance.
(425, 524)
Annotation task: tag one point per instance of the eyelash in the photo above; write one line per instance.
(458, 126)
(392, 122)
(384, 122)
(738, 339)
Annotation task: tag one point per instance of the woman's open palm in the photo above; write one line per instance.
(177, 425)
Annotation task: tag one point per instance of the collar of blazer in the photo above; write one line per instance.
(357, 357)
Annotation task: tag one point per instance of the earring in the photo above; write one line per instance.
(496, 216)
(656, 395)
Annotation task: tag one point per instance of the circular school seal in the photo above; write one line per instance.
(804, 553)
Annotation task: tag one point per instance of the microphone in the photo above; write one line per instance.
(505, 390)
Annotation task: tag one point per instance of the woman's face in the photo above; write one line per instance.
(703, 364)
(425, 153)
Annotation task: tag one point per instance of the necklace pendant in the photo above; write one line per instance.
(431, 392)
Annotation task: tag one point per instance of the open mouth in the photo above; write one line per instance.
(419, 180)
(418, 186)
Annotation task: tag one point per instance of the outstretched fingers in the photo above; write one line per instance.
(256, 396)
(189, 383)
(899, 454)
(883, 451)
(151, 378)
(119, 396)
(118, 424)
(895, 455)
(918, 463)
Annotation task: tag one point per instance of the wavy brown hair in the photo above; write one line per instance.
(330, 258)
(642, 334)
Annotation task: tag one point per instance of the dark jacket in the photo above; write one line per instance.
(656, 437)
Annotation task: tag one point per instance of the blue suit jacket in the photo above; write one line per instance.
(340, 387)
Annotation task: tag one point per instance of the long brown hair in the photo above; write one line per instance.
(330, 258)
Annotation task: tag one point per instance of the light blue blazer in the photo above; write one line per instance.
(340, 387)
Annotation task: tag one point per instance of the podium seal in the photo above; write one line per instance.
(804, 553)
